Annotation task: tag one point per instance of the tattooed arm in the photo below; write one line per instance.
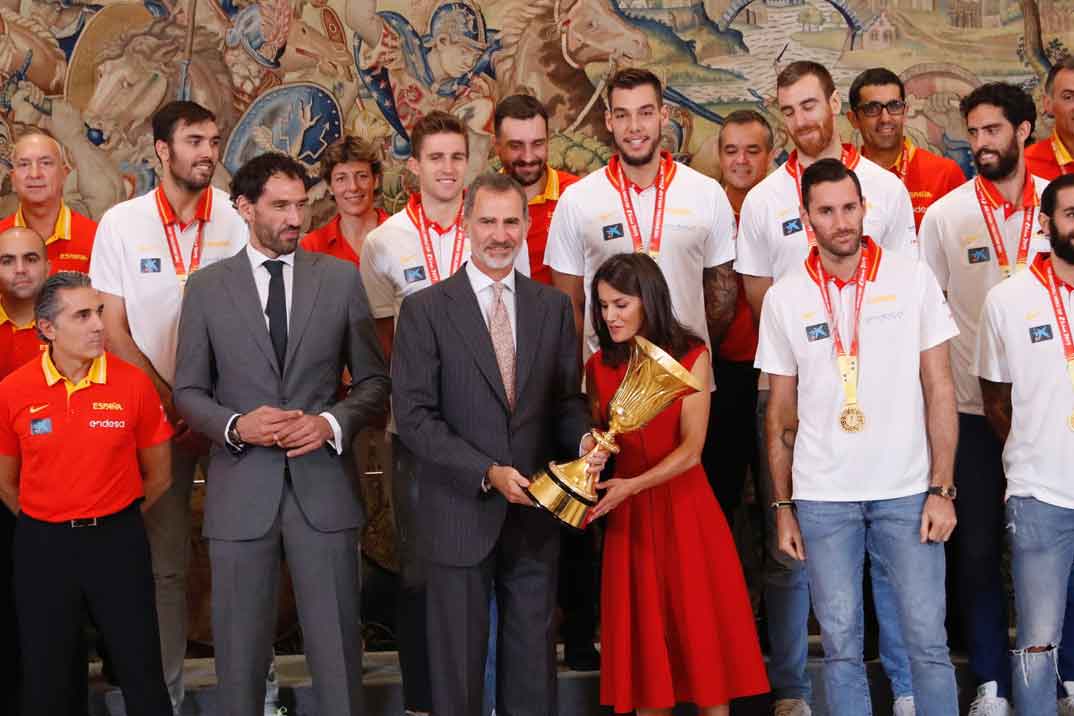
(721, 292)
(997, 406)
(781, 427)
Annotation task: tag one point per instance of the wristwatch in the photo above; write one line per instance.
(944, 491)
(233, 434)
(778, 504)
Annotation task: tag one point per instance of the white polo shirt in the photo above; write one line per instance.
(1019, 343)
(589, 226)
(903, 314)
(772, 239)
(956, 245)
(393, 264)
(131, 260)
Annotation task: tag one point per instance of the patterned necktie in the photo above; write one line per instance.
(276, 310)
(503, 342)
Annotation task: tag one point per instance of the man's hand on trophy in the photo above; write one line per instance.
(597, 459)
(510, 483)
(615, 491)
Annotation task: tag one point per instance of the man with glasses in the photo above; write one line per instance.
(878, 112)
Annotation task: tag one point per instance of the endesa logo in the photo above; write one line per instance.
(108, 424)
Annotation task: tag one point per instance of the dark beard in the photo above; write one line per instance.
(1062, 246)
(189, 186)
(640, 161)
(1008, 162)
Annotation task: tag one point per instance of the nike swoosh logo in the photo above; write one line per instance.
(37, 408)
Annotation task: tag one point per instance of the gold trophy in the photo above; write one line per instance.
(653, 381)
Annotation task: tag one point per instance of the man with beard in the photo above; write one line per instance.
(414, 249)
(861, 429)
(622, 209)
(352, 171)
(878, 111)
(263, 339)
(38, 174)
(146, 249)
(774, 237)
(979, 234)
(1025, 362)
(521, 126)
(1051, 158)
(479, 422)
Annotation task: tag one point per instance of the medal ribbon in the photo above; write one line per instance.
(997, 238)
(847, 359)
(1060, 317)
(174, 249)
(427, 244)
(849, 157)
(632, 218)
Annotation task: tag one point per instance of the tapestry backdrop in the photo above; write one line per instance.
(292, 75)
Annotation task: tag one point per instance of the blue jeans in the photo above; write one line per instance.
(1042, 552)
(836, 536)
(786, 596)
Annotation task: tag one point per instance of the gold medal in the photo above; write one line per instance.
(1070, 421)
(852, 420)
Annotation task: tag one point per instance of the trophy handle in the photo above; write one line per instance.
(605, 440)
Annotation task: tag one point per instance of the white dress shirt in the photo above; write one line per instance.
(261, 281)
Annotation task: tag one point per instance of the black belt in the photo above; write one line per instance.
(92, 521)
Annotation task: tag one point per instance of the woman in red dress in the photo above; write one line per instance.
(676, 619)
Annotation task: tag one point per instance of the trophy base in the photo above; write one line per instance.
(550, 491)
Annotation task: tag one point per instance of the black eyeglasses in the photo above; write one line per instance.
(873, 109)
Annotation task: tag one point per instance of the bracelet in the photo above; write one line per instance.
(782, 503)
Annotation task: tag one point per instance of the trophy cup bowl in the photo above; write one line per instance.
(653, 381)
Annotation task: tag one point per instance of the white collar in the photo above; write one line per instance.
(479, 280)
(257, 258)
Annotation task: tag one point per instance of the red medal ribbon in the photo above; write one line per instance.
(864, 264)
(181, 271)
(417, 215)
(1046, 274)
(658, 209)
(997, 238)
(849, 157)
(902, 164)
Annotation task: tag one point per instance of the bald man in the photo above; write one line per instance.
(38, 174)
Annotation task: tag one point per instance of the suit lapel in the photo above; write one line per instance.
(529, 319)
(466, 314)
(243, 292)
(304, 290)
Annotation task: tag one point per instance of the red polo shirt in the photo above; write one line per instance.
(541, 208)
(329, 239)
(18, 344)
(1049, 158)
(927, 177)
(78, 443)
(740, 341)
(71, 241)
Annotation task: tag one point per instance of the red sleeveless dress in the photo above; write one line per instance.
(676, 622)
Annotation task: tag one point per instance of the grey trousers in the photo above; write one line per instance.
(325, 571)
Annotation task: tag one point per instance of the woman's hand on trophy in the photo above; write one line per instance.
(597, 458)
(615, 491)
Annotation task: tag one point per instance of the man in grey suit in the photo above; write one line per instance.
(263, 340)
(479, 415)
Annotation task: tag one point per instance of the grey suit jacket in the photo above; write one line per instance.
(451, 408)
(226, 365)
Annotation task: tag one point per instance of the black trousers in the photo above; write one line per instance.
(107, 568)
(9, 636)
(731, 444)
(579, 587)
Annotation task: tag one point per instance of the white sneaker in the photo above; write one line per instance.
(791, 707)
(988, 703)
(903, 706)
(1066, 704)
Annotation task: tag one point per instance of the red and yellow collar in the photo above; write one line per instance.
(98, 373)
(203, 211)
(62, 229)
(413, 207)
(614, 166)
(868, 247)
(996, 200)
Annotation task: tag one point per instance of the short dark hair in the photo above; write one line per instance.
(1015, 103)
(748, 116)
(497, 183)
(47, 303)
(436, 122)
(1050, 195)
(874, 77)
(518, 106)
(1067, 63)
(349, 148)
(795, 71)
(631, 77)
(249, 181)
(637, 274)
(824, 171)
(168, 117)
